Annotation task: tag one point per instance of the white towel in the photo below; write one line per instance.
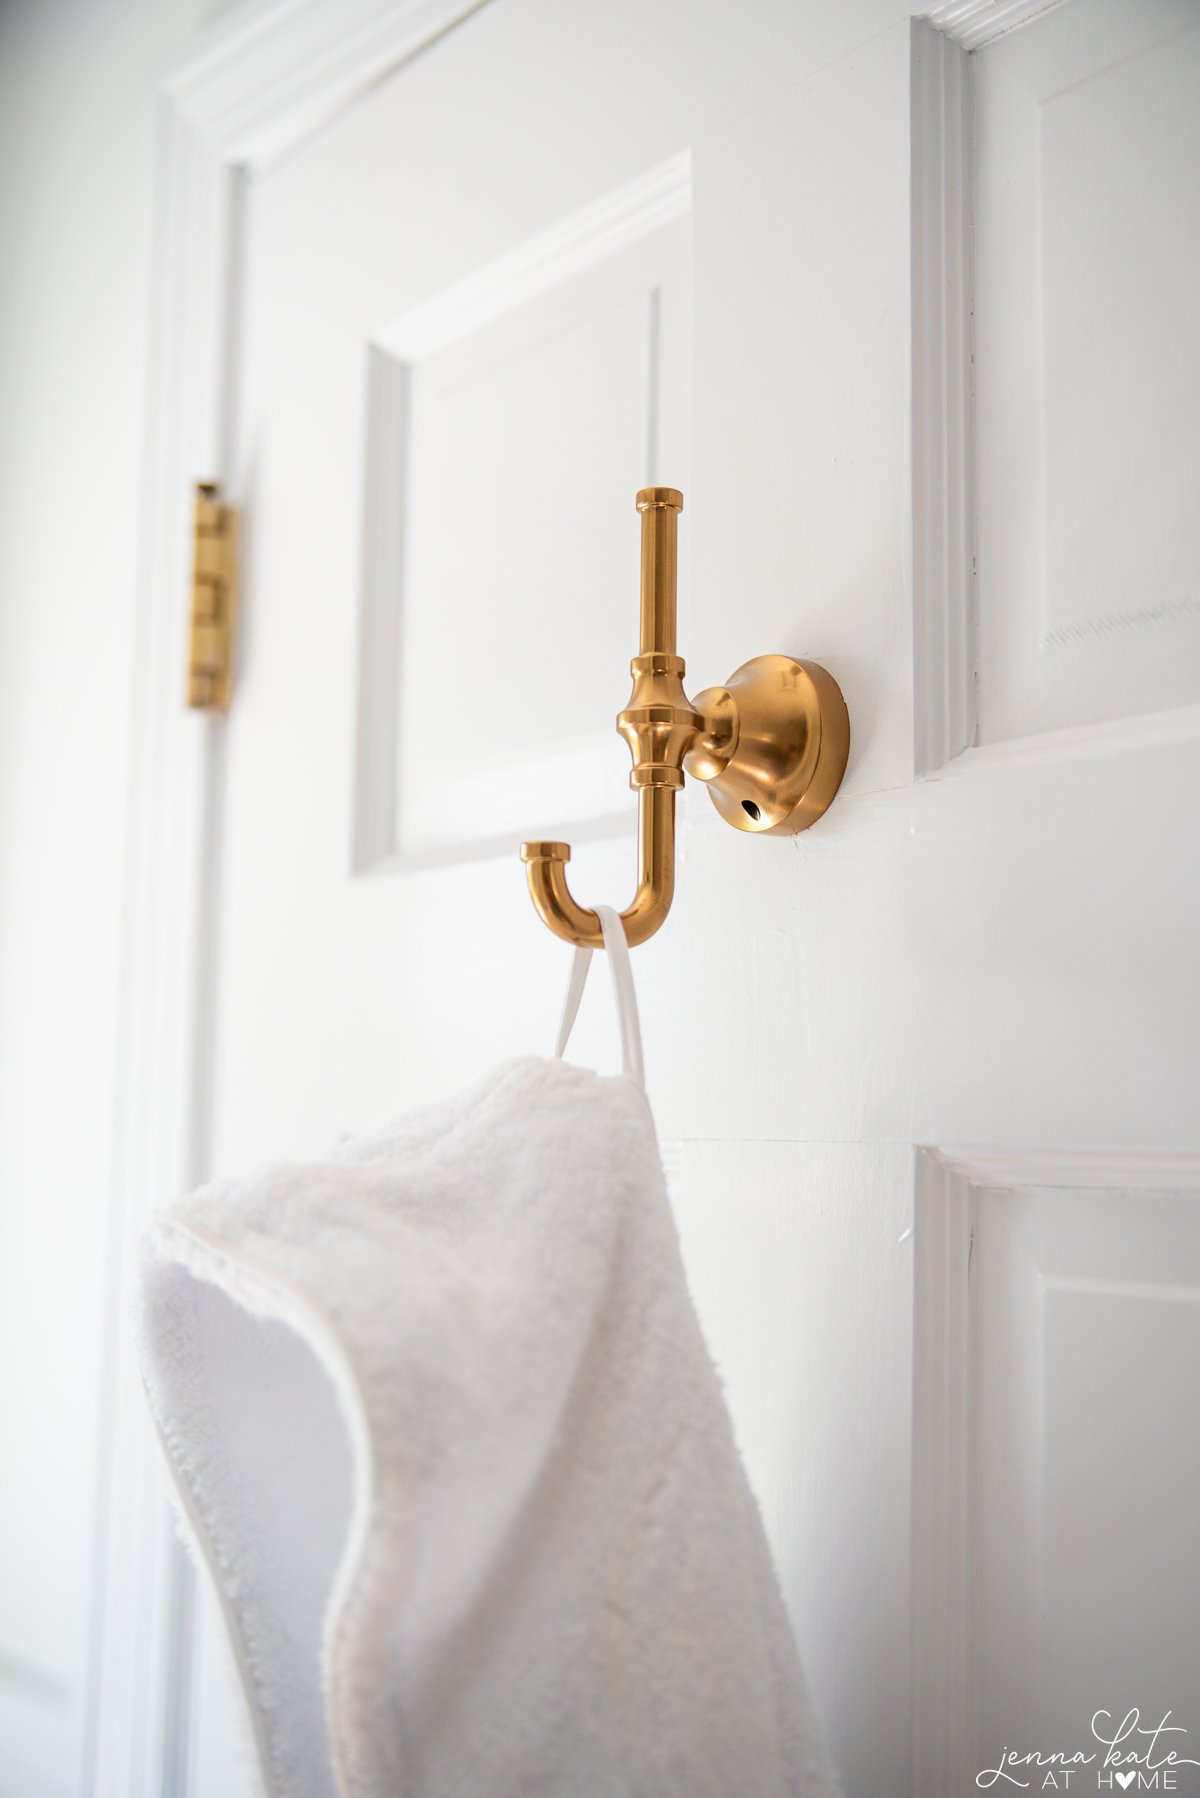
(447, 1438)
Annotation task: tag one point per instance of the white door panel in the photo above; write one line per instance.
(574, 356)
(1056, 1465)
(679, 244)
(1088, 1465)
(1087, 245)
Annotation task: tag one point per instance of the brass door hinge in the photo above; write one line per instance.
(214, 601)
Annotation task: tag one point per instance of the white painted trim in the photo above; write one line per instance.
(945, 1690)
(375, 778)
(973, 23)
(1078, 742)
(270, 72)
(1075, 1170)
(945, 576)
(949, 1181)
(263, 78)
(140, 1635)
(945, 588)
(585, 239)
(578, 242)
(943, 420)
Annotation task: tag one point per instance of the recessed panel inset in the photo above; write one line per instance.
(1057, 1473)
(1087, 1335)
(1087, 366)
(511, 428)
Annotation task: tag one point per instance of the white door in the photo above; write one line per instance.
(924, 1076)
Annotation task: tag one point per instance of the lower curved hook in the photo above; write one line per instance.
(545, 869)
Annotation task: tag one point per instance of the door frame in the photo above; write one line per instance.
(254, 86)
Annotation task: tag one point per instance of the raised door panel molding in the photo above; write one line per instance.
(973, 23)
(1056, 377)
(1056, 1472)
(487, 519)
(945, 650)
(267, 74)
(1087, 264)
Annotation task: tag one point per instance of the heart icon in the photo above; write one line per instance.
(1124, 1780)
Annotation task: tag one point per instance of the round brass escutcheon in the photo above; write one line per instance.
(778, 769)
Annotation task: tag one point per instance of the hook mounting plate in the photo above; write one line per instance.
(775, 744)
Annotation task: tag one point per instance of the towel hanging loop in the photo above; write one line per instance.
(623, 988)
(771, 745)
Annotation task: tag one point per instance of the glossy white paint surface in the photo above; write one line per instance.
(583, 370)
(1087, 1329)
(1087, 253)
(1002, 955)
(935, 963)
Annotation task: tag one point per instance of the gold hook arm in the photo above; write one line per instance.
(659, 726)
(771, 745)
(545, 868)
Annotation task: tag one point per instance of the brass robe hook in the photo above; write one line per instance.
(771, 745)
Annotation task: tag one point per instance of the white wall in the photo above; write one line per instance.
(77, 107)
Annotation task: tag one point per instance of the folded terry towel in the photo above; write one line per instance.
(447, 1438)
